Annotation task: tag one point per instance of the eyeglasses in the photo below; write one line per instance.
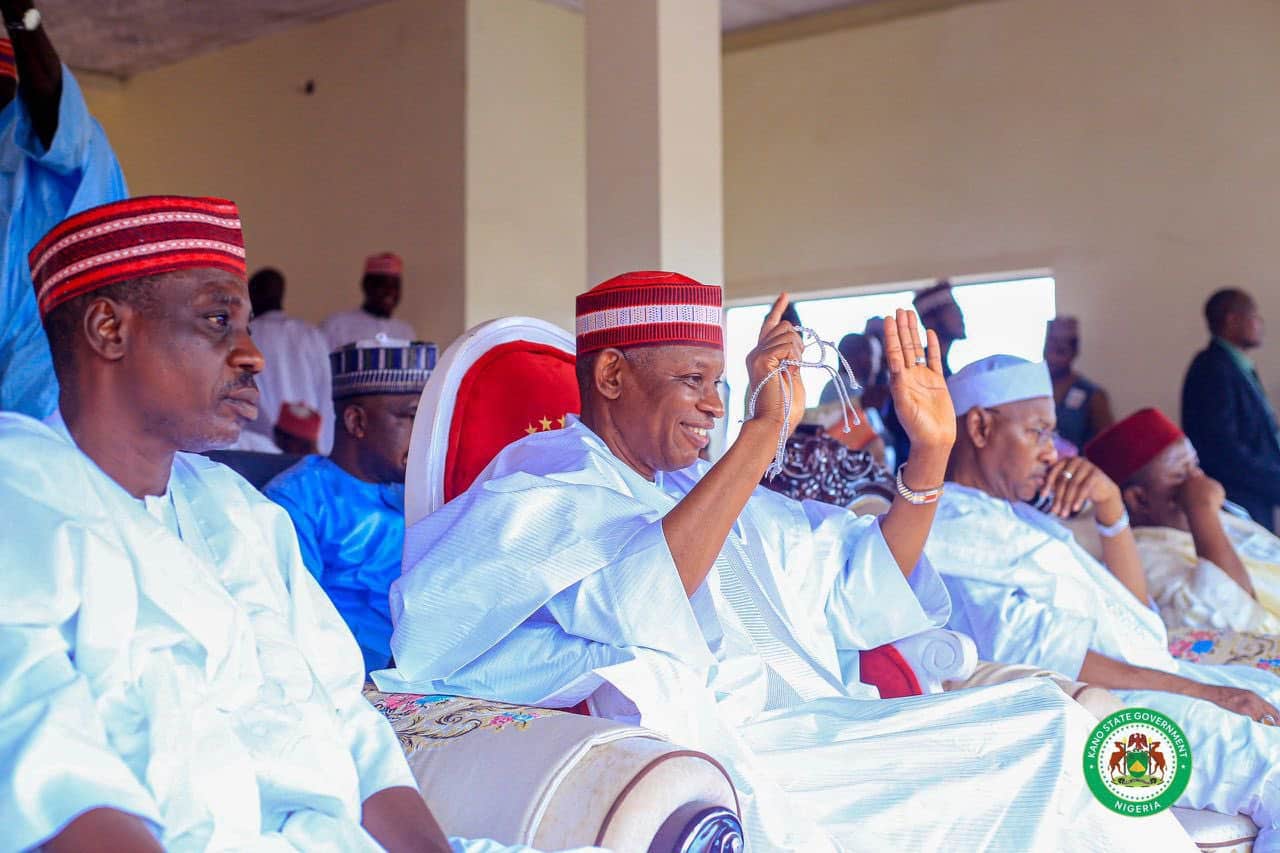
(1044, 435)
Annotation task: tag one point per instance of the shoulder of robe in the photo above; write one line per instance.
(38, 464)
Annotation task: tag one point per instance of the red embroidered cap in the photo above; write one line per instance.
(1125, 448)
(386, 263)
(299, 420)
(132, 239)
(649, 309)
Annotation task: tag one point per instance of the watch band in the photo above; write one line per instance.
(1110, 531)
(917, 498)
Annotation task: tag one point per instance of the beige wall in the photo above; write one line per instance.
(483, 194)
(526, 160)
(1131, 146)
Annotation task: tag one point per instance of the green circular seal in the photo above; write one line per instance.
(1137, 762)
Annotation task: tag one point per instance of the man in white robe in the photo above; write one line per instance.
(383, 274)
(1195, 571)
(297, 360)
(605, 562)
(1027, 593)
(171, 676)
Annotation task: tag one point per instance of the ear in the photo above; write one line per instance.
(355, 420)
(1135, 498)
(608, 373)
(107, 326)
(978, 424)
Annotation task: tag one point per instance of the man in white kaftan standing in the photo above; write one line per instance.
(171, 676)
(615, 567)
(1027, 593)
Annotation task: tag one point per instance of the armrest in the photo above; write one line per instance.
(550, 779)
(939, 655)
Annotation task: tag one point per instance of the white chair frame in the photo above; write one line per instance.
(429, 443)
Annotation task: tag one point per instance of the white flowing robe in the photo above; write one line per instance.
(202, 682)
(1027, 592)
(358, 325)
(550, 581)
(296, 371)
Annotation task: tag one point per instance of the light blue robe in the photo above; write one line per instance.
(173, 658)
(38, 189)
(1027, 592)
(351, 534)
(550, 581)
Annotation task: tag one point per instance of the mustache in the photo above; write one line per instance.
(244, 380)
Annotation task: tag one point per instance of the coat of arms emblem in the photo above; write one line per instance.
(1137, 762)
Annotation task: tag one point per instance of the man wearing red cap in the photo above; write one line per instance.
(381, 285)
(297, 429)
(54, 160)
(1201, 562)
(171, 677)
(1029, 593)
(605, 562)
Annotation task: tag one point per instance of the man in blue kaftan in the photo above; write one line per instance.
(348, 507)
(54, 161)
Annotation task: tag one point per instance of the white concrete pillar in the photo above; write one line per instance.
(655, 194)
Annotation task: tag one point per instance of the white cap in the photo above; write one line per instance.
(998, 379)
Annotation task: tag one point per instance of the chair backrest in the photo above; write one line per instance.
(499, 382)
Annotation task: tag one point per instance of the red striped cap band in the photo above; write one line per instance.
(8, 66)
(649, 309)
(134, 238)
(387, 263)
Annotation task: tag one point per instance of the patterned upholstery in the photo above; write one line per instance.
(1200, 645)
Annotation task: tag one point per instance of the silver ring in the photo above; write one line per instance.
(1067, 475)
(921, 360)
(1268, 719)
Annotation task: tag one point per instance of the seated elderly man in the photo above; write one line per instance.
(171, 677)
(1028, 593)
(348, 508)
(1202, 562)
(605, 562)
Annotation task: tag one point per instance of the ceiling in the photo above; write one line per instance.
(123, 37)
(741, 14)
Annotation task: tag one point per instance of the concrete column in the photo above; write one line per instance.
(655, 192)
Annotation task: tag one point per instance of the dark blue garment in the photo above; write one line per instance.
(1075, 413)
(351, 534)
(1226, 415)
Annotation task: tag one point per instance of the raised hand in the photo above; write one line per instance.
(778, 340)
(919, 390)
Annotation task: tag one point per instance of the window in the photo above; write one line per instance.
(1001, 316)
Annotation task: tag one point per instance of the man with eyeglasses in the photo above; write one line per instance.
(1027, 593)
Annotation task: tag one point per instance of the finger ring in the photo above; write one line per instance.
(921, 360)
(1267, 719)
(1067, 475)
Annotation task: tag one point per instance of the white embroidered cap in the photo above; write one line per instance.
(998, 379)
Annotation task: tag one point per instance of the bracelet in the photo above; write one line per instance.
(1114, 530)
(916, 498)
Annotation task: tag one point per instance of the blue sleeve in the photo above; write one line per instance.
(304, 525)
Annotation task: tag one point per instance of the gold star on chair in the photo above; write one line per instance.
(546, 423)
(530, 429)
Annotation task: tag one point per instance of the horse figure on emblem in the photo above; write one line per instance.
(1157, 758)
(1117, 760)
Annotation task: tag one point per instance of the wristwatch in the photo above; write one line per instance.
(30, 21)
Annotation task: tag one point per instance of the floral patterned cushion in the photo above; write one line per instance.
(1200, 645)
(422, 722)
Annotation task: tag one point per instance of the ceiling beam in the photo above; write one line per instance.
(862, 15)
